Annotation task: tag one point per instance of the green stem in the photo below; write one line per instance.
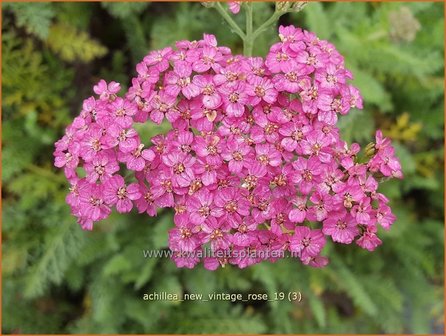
(273, 19)
(248, 42)
(229, 20)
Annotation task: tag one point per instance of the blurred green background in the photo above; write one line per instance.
(58, 279)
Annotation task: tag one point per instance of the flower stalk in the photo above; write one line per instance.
(250, 35)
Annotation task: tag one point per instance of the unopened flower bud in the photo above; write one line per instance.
(298, 6)
(283, 6)
(370, 149)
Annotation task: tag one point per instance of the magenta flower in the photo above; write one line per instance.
(200, 206)
(92, 205)
(369, 240)
(331, 76)
(146, 203)
(116, 192)
(307, 173)
(179, 81)
(317, 145)
(217, 232)
(278, 60)
(237, 154)
(234, 98)
(384, 216)
(362, 211)
(184, 237)
(298, 214)
(106, 91)
(231, 203)
(293, 133)
(126, 139)
(307, 243)
(246, 232)
(268, 155)
(159, 59)
(181, 167)
(209, 147)
(162, 103)
(234, 6)
(350, 193)
(122, 112)
(289, 81)
(341, 226)
(136, 159)
(211, 98)
(101, 168)
(309, 95)
(261, 89)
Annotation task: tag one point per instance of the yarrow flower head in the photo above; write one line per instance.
(253, 162)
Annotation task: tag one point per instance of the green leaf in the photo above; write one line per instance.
(318, 309)
(64, 243)
(146, 273)
(34, 17)
(371, 89)
(317, 20)
(71, 44)
(116, 265)
(353, 287)
(160, 231)
(125, 10)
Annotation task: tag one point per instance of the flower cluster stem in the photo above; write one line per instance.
(229, 20)
(250, 35)
(248, 42)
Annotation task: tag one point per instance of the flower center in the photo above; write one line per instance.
(259, 91)
(250, 182)
(95, 201)
(231, 206)
(185, 233)
(237, 156)
(179, 168)
(183, 82)
(122, 135)
(212, 149)
(316, 148)
(167, 185)
(120, 112)
(208, 90)
(204, 211)
(348, 199)
(341, 225)
(297, 135)
(96, 145)
(122, 193)
(234, 97)
(306, 242)
(281, 57)
(148, 197)
(263, 159)
(291, 76)
(137, 151)
(195, 186)
(100, 170)
(216, 234)
(307, 175)
(270, 128)
(331, 79)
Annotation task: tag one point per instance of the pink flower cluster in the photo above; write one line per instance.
(253, 162)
